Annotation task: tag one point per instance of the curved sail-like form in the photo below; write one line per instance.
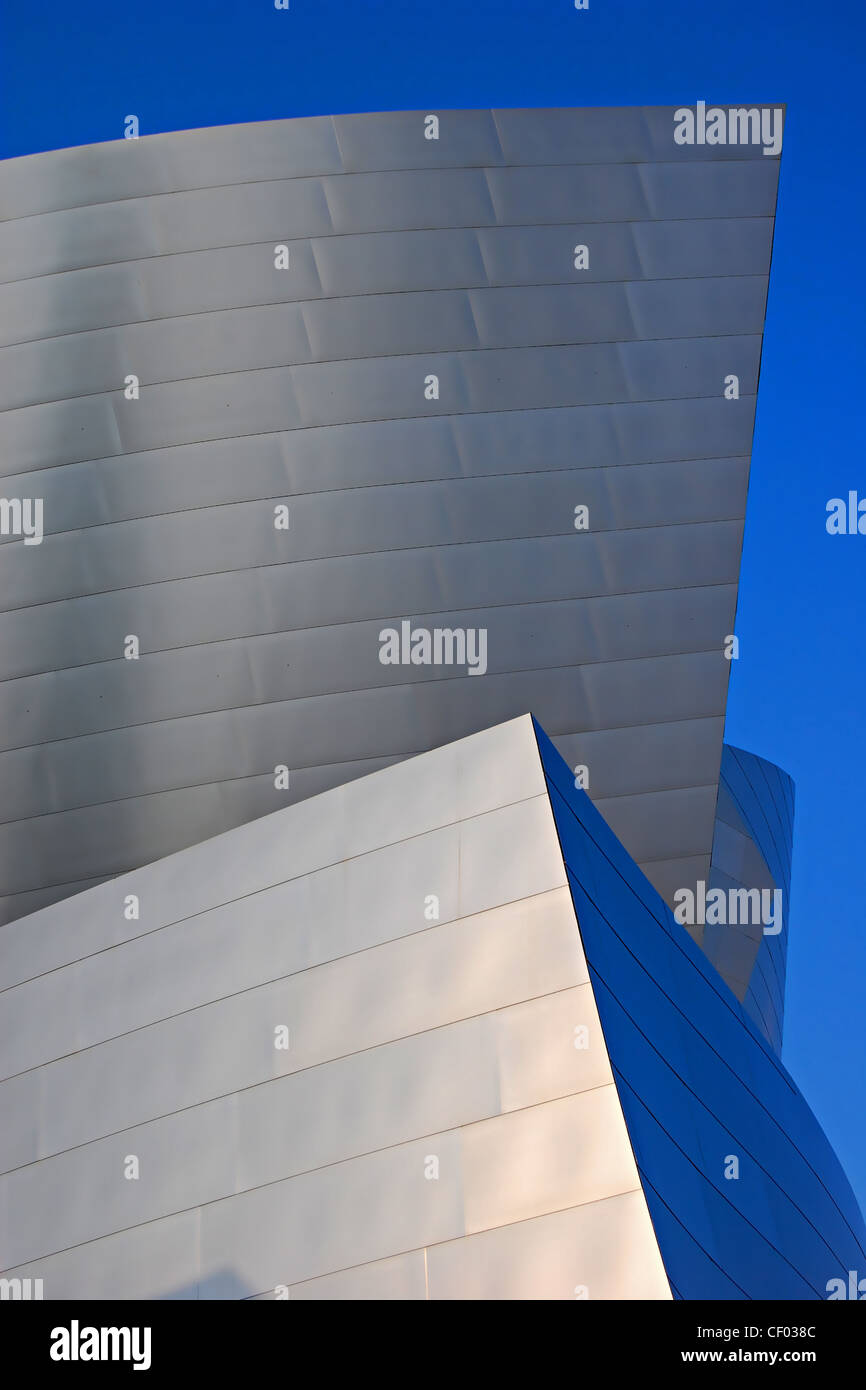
(281, 388)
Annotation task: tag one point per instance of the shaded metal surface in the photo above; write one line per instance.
(752, 848)
(557, 387)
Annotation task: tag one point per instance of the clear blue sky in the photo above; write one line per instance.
(69, 73)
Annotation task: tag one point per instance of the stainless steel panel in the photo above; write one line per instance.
(387, 521)
(195, 756)
(162, 482)
(273, 212)
(175, 684)
(502, 957)
(689, 811)
(157, 1260)
(557, 386)
(304, 1121)
(547, 1159)
(401, 1278)
(496, 768)
(395, 140)
(607, 1247)
(599, 134)
(95, 769)
(204, 281)
(634, 192)
(321, 144)
(273, 335)
(164, 163)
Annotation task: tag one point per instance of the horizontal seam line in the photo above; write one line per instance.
(325, 492)
(404, 292)
(353, 690)
(280, 979)
(400, 356)
(307, 238)
(315, 1066)
(599, 598)
(378, 420)
(708, 162)
(324, 695)
(467, 1235)
(269, 887)
(246, 777)
(435, 547)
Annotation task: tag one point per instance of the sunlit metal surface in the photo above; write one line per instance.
(559, 387)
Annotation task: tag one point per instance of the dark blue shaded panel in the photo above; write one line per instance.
(699, 1083)
(763, 796)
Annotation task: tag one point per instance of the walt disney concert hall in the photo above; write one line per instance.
(373, 502)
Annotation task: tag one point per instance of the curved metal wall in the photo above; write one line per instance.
(298, 1170)
(260, 386)
(747, 1197)
(752, 848)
